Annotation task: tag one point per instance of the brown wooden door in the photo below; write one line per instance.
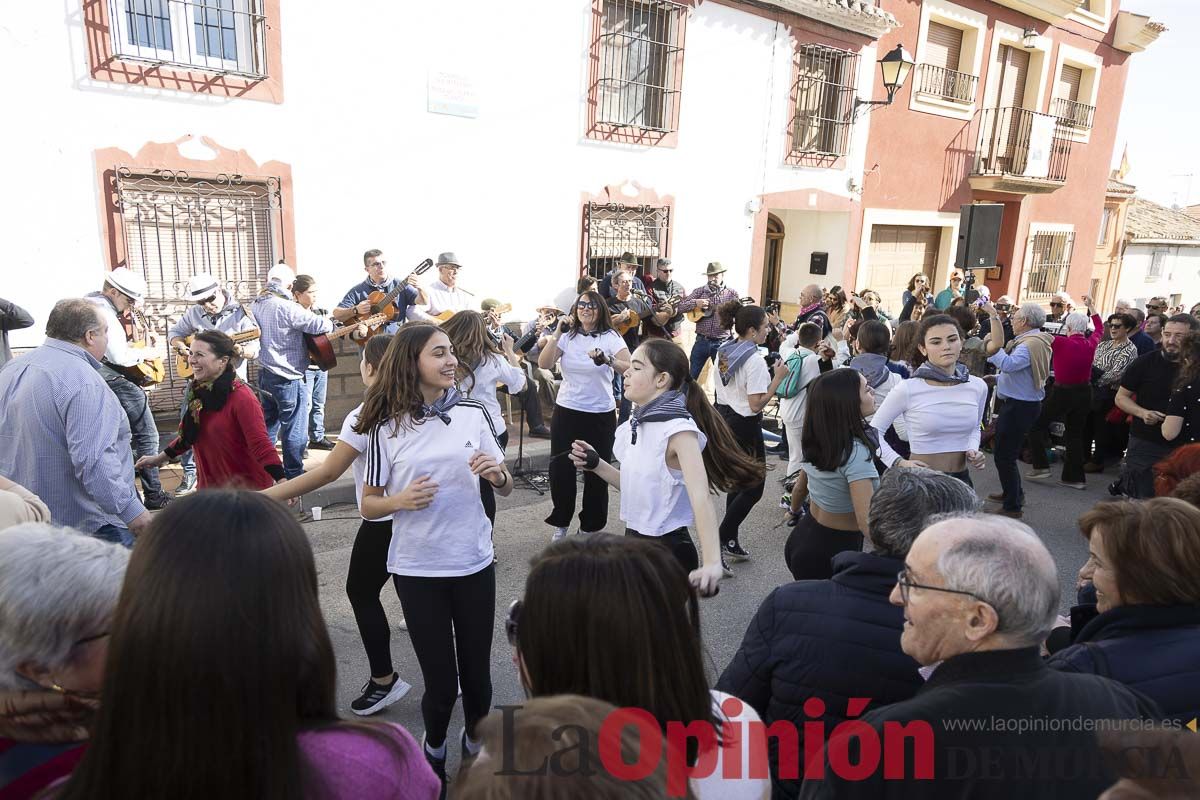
(897, 253)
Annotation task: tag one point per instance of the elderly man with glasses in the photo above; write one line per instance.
(980, 593)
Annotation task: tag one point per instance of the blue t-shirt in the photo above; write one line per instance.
(831, 490)
(404, 300)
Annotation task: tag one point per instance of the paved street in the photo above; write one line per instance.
(520, 533)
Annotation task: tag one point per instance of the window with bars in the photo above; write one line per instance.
(223, 36)
(175, 226)
(1105, 222)
(639, 54)
(1158, 259)
(1049, 263)
(611, 229)
(823, 94)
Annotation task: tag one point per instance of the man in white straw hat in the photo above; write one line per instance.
(444, 294)
(282, 359)
(123, 290)
(211, 310)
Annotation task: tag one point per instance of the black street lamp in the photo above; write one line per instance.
(895, 67)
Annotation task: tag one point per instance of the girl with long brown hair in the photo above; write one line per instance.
(674, 450)
(427, 448)
(588, 350)
(482, 364)
(1182, 423)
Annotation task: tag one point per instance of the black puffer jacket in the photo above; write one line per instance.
(833, 640)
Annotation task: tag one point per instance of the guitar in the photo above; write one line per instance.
(385, 303)
(320, 346)
(184, 370)
(697, 314)
(149, 371)
(447, 314)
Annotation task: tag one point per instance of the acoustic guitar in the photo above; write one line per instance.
(320, 346)
(149, 371)
(697, 314)
(184, 370)
(385, 303)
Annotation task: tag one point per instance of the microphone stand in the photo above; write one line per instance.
(529, 478)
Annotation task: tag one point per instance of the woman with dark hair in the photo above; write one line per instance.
(1182, 423)
(223, 425)
(368, 572)
(615, 618)
(744, 385)
(427, 448)
(837, 477)
(674, 450)
(942, 404)
(917, 285)
(904, 344)
(221, 679)
(836, 307)
(482, 364)
(1112, 356)
(587, 350)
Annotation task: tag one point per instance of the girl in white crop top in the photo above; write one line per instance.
(673, 450)
(942, 405)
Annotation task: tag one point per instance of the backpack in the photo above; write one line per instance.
(791, 386)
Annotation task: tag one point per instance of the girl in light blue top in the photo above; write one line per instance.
(838, 475)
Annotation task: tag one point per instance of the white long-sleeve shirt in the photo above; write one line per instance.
(941, 418)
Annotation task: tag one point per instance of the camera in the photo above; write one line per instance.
(772, 307)
(970, 293)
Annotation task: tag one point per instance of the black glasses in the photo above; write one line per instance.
(207, 300)
(906, 584)
(582, 304)
(668, 270)
(1056, 305)
(1116, 325)
(1154, 308)
(380, 263)
(510, 623)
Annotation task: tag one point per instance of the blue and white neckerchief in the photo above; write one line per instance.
(732, 355)
(671, 404)
(441, 407)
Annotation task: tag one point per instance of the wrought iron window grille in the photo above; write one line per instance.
(1050, 261)
(226, 37)
(611, 229)
(824, 97)
(639, 73)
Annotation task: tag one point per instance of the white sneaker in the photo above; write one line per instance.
(559, 533)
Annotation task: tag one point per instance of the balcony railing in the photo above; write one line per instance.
(1020, 150)
(946, 83)
(1075, 114)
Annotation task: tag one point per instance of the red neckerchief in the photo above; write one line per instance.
(807, 309)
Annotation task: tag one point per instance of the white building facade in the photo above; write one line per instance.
(1161, 256)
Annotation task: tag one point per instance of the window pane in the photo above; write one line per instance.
(148, 23)
(636, 43)
(214, 29)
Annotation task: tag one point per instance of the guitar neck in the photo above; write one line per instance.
(244, 336)
(346, 330)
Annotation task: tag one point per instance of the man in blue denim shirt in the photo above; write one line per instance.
(355, 302)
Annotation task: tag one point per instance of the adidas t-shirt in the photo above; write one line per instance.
(359, 442)
(452, 536)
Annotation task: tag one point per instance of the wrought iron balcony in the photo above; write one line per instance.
(946, 84)
(1075, 114)
(1020, 151)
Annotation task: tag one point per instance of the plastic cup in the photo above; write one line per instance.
(315, 511)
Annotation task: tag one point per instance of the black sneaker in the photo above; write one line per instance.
(321, 444)
(725, 567)
(375, 698)
(438, 765)
(155, 502)
(539, 433)
(735, 551)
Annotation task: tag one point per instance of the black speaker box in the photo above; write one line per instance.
(818, 263)
(979, 235)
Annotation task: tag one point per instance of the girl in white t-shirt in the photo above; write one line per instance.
(587, 351)
(482, 364)
(615, 618)
(667, 471)
(744, 385)
(368, 572)
(427, 448)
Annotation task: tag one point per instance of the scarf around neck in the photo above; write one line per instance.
(732, 355)
(210, 396)
(932, 373)
(440, 408)
(873, 367)
(671, 404)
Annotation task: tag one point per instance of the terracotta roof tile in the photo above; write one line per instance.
(1149, 220)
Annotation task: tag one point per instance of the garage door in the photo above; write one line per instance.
(897, 253)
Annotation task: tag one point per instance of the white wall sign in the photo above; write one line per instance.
(452, 93)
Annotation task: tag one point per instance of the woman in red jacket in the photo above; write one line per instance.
(223, 425)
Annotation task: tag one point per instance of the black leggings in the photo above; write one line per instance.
(678, 541)
(811, 546)
(739, 503)
(487, 492)
(449, 616)
(597, 429)
(367, 575)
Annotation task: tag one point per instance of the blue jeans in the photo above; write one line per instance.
(316, 382)
(187, 460)
(1013, 423)
(703, 349)
(115, 534)
(285, 410)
